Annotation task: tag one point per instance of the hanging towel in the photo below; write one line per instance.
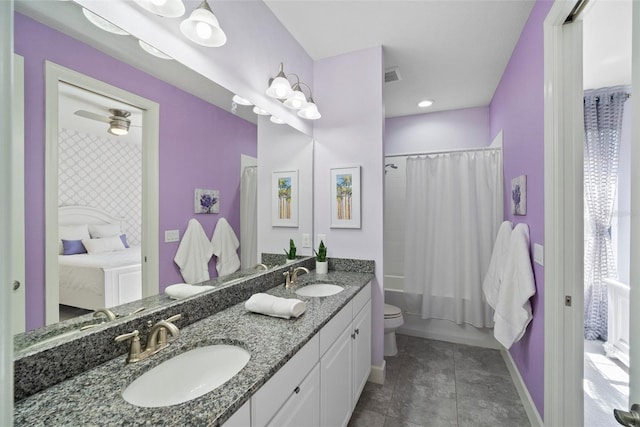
(491, 284)
(184, 290)
(275, 306)
(225, 245)
(513, 310)
(194, 254)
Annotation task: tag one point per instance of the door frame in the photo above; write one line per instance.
(563, 219)
(564, 233)
(17, 198)
(150, 180)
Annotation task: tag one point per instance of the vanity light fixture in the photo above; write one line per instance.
(153, 51)
(240, 100)
(102, 23)
(119, 122)
(259, 111)
(166, 8)
(276, 120)
(426, 103)
(202, 27)
(294, 98)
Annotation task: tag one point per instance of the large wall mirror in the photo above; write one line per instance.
(203, 141)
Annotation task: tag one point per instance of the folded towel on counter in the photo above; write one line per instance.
(184, 290)
(194, 253)
(275, 306)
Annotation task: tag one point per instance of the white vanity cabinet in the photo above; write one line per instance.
(241, 418)
(321, 383)
(345, 363)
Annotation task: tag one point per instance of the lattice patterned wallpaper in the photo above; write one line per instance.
(103, 173)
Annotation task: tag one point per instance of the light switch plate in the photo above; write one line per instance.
(538, 254)
(171, 236)
(306, 240)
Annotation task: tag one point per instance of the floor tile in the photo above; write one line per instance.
(480, 385)
(366, 419)
(396, 422)
(484, 359)
(376, 397)
(474, 412)
(423, 405)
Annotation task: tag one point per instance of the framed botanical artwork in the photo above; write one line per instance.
(519, 195)
(284, 199)
(345, 197)
(206, 201)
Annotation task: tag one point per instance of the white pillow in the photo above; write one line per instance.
(72, 232)
(105, 244)
(98, 231)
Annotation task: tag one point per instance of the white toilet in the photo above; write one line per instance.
(392, 320)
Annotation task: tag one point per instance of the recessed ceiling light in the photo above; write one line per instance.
(276, 120)
(260, 111)
(241, 101)
(426, 103)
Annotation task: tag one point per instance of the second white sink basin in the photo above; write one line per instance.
(319, 290)
(187, 376)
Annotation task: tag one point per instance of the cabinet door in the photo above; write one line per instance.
(336, 381)
(303, 407)
(242, 417)
(362, 350)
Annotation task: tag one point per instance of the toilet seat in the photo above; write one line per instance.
(392, 312)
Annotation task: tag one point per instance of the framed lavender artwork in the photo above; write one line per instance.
(207, 201)
(284, 196)
(345, 197)
(519, 195)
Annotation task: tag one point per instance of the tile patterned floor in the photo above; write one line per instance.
(435, 383)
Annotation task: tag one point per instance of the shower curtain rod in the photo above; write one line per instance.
(459, 150)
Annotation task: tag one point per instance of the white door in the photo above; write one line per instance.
(17, 198)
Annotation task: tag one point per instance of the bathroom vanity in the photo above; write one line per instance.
(309, 370)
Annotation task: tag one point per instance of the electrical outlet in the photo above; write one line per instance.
(306, 240)
(538, 254)
(171, 236)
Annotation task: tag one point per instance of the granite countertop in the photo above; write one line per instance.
(94, 397)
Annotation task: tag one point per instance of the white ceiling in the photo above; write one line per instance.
(453, 52)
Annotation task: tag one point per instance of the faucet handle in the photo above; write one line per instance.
(135, 350)
(174, 318)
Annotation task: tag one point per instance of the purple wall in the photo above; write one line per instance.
(442, 130)
(200, 147)
(517, 108)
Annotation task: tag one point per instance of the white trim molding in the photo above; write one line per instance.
(378, 373)
(150, 183)
(563, 204)
(523, 392)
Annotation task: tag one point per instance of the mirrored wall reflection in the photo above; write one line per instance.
(201, 145)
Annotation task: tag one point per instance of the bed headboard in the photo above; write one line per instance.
(71, 215)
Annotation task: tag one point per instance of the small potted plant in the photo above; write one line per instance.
(291, 253)
(322, 266)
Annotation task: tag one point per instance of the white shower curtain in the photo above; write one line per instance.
(249, 218)
(453, 212)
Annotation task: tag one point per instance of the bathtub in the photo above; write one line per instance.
(436, 329)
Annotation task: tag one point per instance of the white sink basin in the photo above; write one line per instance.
(186, 376)
(319, 290)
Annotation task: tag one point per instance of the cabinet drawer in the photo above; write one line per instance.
(361, 299)
(303, 406)
(272, 395)
(332, 330)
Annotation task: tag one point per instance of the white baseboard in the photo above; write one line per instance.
(377, 373)
(525, 397)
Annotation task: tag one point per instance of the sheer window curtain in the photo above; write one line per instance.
(454, 208)
(603, 111)
(249, 218)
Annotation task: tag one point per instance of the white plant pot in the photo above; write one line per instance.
(322, 267)
(289, 261)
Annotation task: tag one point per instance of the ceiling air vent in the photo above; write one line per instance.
(392, 75)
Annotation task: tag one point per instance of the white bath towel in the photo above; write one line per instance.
(225, 246)
(184, 290)
(194, 254)
(275, 306)
(491, 284)
(513, 310)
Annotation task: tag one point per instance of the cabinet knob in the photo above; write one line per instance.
(357, 331)
(353, 336)
(16, 285)
(297, 389)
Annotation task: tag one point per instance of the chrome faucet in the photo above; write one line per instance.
(291, 276)
(108, 313)
(156, 341)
